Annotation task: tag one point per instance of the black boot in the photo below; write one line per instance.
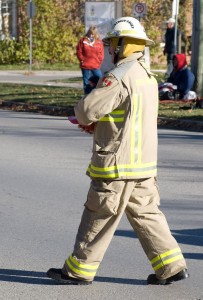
(152, 279)
(57, 275)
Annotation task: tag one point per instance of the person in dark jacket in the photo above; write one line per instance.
(169, 49)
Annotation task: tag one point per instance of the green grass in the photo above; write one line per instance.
(65, 96)
(59, 96)
(180, 110)
(38, 66)
(41, 67)
(70, 80)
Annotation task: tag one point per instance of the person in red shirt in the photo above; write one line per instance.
(90, 53)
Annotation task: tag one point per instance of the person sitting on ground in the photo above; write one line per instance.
(180, 81)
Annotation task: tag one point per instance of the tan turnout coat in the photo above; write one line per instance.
(124, 107)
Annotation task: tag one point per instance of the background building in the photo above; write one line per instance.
(8, 19)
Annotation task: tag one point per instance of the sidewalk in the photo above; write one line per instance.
(50, 78)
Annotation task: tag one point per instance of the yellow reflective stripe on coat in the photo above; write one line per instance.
(83, 269)
(123, 170)
(114, 116)
(166, 258)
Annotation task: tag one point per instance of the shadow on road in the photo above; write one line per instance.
(29, 277)
(120, 280)
(186, 236)
(189, 236)
(33, 277)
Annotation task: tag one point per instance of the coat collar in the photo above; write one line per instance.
(139, 56)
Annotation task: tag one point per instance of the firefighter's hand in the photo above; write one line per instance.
(87, 128)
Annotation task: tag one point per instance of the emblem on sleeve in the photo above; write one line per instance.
(106, 81)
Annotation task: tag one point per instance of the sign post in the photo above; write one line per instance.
(31, 11)
(140, 11)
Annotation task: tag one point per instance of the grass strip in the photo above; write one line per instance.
(67, 96)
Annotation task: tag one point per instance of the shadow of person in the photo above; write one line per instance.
(130, 281)
(193, 236)
(22, 276)
(39, 278)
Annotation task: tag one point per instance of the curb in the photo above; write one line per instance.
(180, 124)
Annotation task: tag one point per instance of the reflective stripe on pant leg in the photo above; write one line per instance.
(166, 258)
(104, 209)
(81, 268)
(152, 229)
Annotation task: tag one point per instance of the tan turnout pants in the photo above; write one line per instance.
(106, 202)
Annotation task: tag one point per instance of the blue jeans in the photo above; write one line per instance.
(87, 74)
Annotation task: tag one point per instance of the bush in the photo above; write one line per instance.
(7, 51)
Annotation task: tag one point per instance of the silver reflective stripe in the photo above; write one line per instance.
(135, 134)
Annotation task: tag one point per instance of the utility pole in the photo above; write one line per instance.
(197, 46)
(176, 12)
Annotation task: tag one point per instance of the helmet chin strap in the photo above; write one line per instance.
(117, 50)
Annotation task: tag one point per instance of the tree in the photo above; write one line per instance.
(59, 24)
(158, 11)
(57, 27)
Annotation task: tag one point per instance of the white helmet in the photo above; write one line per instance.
(129, 27)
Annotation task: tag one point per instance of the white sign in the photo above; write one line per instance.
(139, 10)
(100, 14)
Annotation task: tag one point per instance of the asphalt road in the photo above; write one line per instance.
(42, 190)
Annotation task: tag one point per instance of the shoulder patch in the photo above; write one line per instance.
(106, 81)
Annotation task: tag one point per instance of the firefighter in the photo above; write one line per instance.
(122, 115)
